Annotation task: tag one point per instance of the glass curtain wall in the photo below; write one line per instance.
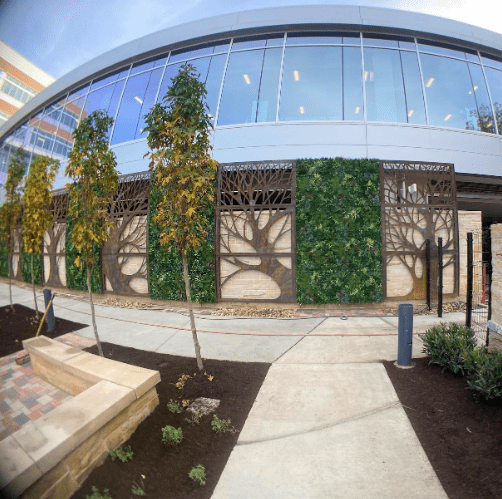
(302, 76)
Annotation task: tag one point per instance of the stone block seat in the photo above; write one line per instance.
(52, 456)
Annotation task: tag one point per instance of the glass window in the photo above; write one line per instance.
(313, 38)
(221, 46)
(239, 100)
(448, 89)
(161, 60)
(78, 95)
(148, 101)
(440, 48)
(415, 107)
(3, 117)
(352, 84)
(472, 56)
(130, 108)
(213, 82)
(140, 66)
(374, 40)
(200, 50)
(482, 117)
(489, 60)
(384, 86)
(312, 84)
(201, 67)
(269, 86)
(102, 99)
(258, 41)
(110, 78)
(494, 79)
(409, 45)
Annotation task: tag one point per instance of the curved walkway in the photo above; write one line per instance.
(326, 422)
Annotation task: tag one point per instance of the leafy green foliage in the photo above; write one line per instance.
(447, 345)
(123, 454)
(173, 407)
(221, 425)
(165, 272)
(76, 277)
(91, 166)
(26, 268)
(138, 491)
(484, 372)
(172, 435)
(195, 419)
(4, 270)
(198, 474)
(96, 494)
(338, 240)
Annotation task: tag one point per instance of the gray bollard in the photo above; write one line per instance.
(50, 319)
(405, 335)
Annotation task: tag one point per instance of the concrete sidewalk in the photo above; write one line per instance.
(327, 421)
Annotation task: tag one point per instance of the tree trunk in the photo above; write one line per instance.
(100, 350)
(192, 320)
(9, 263)
(33, 285)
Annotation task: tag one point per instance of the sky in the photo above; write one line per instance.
(60, 35)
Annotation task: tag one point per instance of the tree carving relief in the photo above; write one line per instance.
(54, 243)
(255, 220)
(418, 203)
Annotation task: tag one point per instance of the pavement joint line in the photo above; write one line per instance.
(326, 425)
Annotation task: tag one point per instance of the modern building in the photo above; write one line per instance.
(408, 89)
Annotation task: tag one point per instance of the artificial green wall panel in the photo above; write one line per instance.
(338, 240)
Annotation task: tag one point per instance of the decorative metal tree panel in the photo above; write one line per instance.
(124, 255)
(418, 202)
(17, 257)
(255, 221)
(53, 249)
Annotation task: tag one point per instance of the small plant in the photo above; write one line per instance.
(182, 380)
(172, 435)
(484, 372)
(96, 494)
(446, 344)
(195, 419)
(174, 407)
(124, 455)
(137, 490)
(221, 425)
(198, 474)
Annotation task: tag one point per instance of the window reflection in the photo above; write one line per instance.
(482, 116)
(384, 86)
(130, 108)
(415, 106)
(258, 41)
(352, 84)
(181, 55)
(170, 72)
(148, 101)
(440, 49)
(494, 79)
(110, 78)
(140, 66)
(213, 82)
(239, 101)
(312, 84)
(450, 98)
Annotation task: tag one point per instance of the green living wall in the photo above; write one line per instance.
(4, 269)
(37, 268)
(76, 278)
(338, 239)
(165, 269)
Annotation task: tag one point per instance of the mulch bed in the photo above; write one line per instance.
(165, 468)
(461, 436)
(22, 324)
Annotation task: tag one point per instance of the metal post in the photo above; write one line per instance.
(468, 300)
(440, 277)
(405, 335)
(428, 272)
(50, 319)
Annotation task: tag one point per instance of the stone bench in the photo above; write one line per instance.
(53, 455)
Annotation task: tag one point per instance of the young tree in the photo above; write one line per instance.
(10, 211)
(91, 166)
(183, 171)
(37, 217)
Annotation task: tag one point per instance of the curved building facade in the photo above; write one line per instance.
(299, 82)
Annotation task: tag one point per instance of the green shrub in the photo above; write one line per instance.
(123, 455)
(446, 344)
(221, 425)
(96, 494)
(195, 419)
(172, 435)
(173, 407)
(484, 372)
(137, 490)
(198, 473)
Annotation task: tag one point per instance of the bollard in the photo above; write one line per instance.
(50, 319)
(405, 335)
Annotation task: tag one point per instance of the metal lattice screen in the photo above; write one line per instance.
(418, 202)
(255, 220)
(124, 255)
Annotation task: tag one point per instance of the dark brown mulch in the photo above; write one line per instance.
(22, 324)
(461, 436)
(166, 468)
